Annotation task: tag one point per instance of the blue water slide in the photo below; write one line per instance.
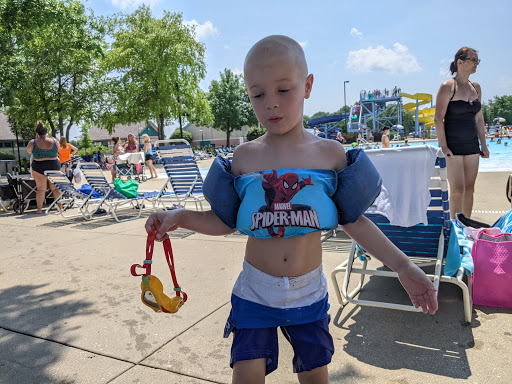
(327, 124)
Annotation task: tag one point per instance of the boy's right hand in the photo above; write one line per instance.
(163, 222)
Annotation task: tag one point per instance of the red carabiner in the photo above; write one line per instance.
(149, 256)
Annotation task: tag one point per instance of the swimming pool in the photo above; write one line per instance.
(500, 159)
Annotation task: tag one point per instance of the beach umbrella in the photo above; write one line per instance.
(500, 119)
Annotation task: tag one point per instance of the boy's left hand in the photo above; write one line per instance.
(419, 287)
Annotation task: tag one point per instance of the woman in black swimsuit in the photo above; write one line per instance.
(460, 129)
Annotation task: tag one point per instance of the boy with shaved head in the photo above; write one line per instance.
(282, 190)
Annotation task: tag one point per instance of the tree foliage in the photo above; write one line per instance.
(500, 106)
(154, 66)
(186, 135)
(52, 49)
(255, 132)
(229, 103)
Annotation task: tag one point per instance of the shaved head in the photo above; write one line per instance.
(277, 46)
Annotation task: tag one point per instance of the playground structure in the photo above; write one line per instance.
(373, 104)
(425, 116)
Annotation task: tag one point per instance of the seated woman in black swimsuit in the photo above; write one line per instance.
(460, 129)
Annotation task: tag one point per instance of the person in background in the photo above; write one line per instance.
(385, 137)
(87, 158)
(149, 155)
(460, 129)
(131, 145)
(66, 151)
(406, 143)
(45, 151)
(117, 150)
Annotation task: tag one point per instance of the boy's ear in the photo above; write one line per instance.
(309, 85)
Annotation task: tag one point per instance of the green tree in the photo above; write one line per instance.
(305, 120)
(178, 135)
(501, 106)
(255, 132)
(58, 61)
(230, 104)
(155, 66)
(85, 141)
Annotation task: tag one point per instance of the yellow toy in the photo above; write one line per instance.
(152, 289)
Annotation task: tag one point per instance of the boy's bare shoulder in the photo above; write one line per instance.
(332, 151)
(242, 153)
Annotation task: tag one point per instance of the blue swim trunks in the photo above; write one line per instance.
(298, 305)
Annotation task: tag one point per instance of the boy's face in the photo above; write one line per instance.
(277, 86)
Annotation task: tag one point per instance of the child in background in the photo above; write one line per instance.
(286, 181)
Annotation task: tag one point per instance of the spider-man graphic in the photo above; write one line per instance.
(279, 191)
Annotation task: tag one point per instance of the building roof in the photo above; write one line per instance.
(122, 130)
(5, 129)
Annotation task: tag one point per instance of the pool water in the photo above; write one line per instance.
(500, 159)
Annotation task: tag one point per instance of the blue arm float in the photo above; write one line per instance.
(219, 191)
(359, 185)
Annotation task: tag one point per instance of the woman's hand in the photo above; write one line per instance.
(419, 287)
(446, 151)
(485, 152)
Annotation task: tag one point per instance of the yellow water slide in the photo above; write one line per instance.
(425, 115)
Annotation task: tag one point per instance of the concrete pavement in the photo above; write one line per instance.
(70, 311)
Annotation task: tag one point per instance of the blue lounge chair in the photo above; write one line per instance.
(426, 245)
(183, 175)
(70, 197)
(112, 199)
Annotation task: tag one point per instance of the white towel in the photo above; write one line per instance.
(406, 174)
(132, 158)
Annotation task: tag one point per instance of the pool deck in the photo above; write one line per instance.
(70, 311)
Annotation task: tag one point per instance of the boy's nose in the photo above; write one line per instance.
(271, 103)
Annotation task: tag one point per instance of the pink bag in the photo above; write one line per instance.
(492, 278)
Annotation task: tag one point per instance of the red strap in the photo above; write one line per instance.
(170, 263)
(149, 256)
(150, 244)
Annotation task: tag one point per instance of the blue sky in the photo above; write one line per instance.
(372, 44)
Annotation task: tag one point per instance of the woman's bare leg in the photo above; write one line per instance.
(470, 173)
(455, 168)
(152, 169)
(56, 193)
(42, 186)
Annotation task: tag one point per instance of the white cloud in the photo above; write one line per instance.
(203, 30)
(133, 3)
(397, 60)
(354, 32)
(303, 44)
